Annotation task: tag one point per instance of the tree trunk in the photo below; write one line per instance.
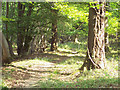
(20, 33)
(95, 57)
(0, 38)
(106, 36)
(42, 43)
(32, 46)
(6, 25)
(119, 40)
(106, 42)
(28, 36)
(10, 47)
(54, 31)
(5, 49)
(7, 32)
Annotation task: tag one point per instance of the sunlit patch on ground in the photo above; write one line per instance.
(57, 70)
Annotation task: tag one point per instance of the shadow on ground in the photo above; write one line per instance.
(52, 57)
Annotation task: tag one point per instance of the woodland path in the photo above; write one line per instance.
(28, 75)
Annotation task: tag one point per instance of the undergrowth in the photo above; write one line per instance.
(59, 75)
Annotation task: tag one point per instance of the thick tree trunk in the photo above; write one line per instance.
(21, 30)
(5, 49)
(95, 57)
(54, 32)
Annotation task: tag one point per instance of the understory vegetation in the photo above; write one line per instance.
(60, 70)
(59, 44)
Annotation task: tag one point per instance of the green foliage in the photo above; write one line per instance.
(3, 86)
(113, 17)
(7, 19)
(72, 19)
(81, 46)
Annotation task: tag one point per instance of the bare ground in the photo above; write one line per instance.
(16, 76)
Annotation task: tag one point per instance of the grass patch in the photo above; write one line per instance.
(79, 47)
(55, 70)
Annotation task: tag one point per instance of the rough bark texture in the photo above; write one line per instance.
(54, 32)
(95, 57)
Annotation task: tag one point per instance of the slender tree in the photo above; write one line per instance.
(119, 40)
(28, 36)
(21, 30)
(9, 40)
(95, 57)
(54, 30)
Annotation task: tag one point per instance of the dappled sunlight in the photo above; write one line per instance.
(41, 72)
(59, 45)
(65, 52)
(58, 69)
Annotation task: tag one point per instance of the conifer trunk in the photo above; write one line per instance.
(95, 57)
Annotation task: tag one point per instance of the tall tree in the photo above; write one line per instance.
(20, 34)
(28, 36)
(4, 49)
(95, 57)
(54, 28)
(119, 38)
(9, 40)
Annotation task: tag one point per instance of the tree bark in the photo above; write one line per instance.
(106, 42)
(5, 49)
(54, 31)
(95, 57)
(6, 25)
(7, 31)
(42, 43)
(28, 36)
(106, 36)
(20, 33)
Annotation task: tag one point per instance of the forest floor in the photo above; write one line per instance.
(57, 70)
(28, 70)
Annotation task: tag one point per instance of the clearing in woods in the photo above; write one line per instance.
(57, 70)
(28, 70)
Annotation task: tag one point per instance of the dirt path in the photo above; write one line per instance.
(26, 75)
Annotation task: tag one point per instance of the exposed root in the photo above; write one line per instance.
(89, 63)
